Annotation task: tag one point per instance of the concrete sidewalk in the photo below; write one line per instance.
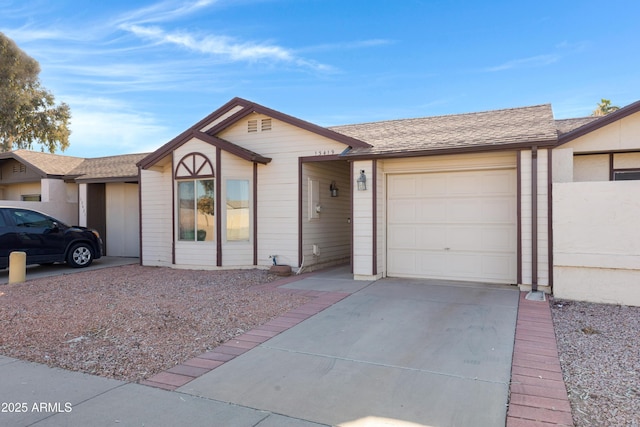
(394, 352)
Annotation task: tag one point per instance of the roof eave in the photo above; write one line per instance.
(97, 180)
(453, 150)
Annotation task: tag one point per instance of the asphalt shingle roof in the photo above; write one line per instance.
(47, 163)
(106, 168)
(489, 128)
(567, 125)
(111, 168)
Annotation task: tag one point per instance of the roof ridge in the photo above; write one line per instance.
(444, 115)
(37, 153)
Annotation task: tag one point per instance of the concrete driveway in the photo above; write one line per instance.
(393, 353)
(396, 352)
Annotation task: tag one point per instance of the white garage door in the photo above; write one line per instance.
(453, 225)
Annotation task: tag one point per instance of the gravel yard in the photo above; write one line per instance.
(131, 322)
(599, 346)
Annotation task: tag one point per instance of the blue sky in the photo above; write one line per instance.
(137, 73)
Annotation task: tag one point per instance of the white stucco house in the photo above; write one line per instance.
(100, 193)
(508, 196)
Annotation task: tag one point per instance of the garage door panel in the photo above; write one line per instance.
(402, 237)
(496, 210)
(431, 210)
(403, 186)
(463, 184)
(484, 239)
(414, 237)
(431, 185)
(464, 226)
(404, 260)
(403, 211)
(464, 238)
(429, 263)
(494, 266)
(500, 182)
(464, 210)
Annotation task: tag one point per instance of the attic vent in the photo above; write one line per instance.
(266, 125)
(252, 126)
(19, 168)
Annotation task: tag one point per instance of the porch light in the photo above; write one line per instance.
(333, 189)
(362, 181)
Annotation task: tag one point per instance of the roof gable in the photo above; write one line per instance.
(599, 123)
(228, 115)
(45, 164)
(190, 133)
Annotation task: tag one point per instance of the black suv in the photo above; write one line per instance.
(45, 240)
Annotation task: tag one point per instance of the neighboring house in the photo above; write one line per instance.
(37, 180)
(460, 197)
(101, 193)
(596, 209)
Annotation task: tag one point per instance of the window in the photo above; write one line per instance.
(31, 198)
(32, 219)
(238, 221)
(196, 209)
(626, 175)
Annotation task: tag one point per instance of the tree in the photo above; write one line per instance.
(604, 108)
(28, 113)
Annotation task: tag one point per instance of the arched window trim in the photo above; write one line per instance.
(189, 164)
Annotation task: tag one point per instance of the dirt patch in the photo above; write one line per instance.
(132, 322)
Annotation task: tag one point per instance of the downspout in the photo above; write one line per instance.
(550, 216)
(534, 219)
(374, 215)
(140, 262)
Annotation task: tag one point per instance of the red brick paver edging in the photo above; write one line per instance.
(181, 374)
(538, 395)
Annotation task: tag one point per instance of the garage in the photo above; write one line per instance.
(453, 225)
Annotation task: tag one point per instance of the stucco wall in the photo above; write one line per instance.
(597, 241)
(64, 211)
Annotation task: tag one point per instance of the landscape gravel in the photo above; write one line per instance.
(132, 322)
(599, 349)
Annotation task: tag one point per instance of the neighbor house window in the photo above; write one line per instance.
(196, 208)
(626, 175)
(31, 198)
(238, 221)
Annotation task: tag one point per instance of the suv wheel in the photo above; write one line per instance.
(80, 255)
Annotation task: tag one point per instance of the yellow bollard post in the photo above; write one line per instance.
(17, 267)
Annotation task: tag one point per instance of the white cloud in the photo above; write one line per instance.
(225, 47)
(534, 61)
(162, 12)
(102, 126)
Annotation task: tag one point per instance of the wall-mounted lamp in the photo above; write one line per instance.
(362, 181)
(333, 189)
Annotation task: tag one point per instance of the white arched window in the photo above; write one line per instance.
(196, 198)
